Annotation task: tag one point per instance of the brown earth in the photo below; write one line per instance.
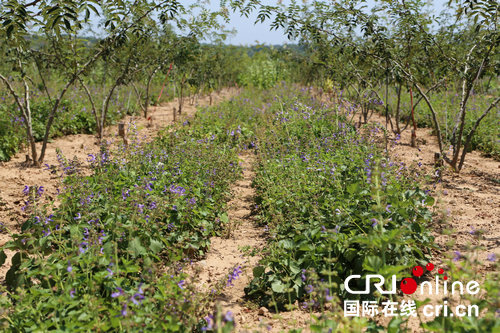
(14, 176)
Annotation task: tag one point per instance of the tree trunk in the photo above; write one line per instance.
(414, 130)
(181, 95)
(398, 109)
(105, 107)
(148, 88)
(94, 109)
(473, 130)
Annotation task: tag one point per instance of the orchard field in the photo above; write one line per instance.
(155, 178)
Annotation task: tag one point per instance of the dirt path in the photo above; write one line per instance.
(231, 255)
(14, 177)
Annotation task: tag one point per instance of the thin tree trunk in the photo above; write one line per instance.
(139, 97)
(466, 90)
(181, 95)
(436, 123)
(386, 98)
(398, 107)
(105, 107)
(146, 98)
(414, 130)
(94, 109)
(27, 108)
(473, 130)
(52, 115)
(58, 101)
(25, 114)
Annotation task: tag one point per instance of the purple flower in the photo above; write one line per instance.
(210, 323)
(178, 190)
(82, 247)
(387, 208)
(141, 208)
(26, 190)
(337, 229)
(303, 275)
(374, 220)
(228, 316)
(234, 275)
(118, 293)
(40, 190)
(124, 310)
(181, 284)
(69, 268)
(492, 257)
(72, 293)
(328, 297)
(309, 289)
(457, 256)
(78, 216)
(91, 158)
(125, 194)
(138, 296)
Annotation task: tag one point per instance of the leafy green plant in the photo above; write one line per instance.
(325, 191)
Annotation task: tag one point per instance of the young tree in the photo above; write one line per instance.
(62, 20)
(156, 56)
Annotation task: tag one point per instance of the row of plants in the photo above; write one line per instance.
(334, 205)
(110, 256)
